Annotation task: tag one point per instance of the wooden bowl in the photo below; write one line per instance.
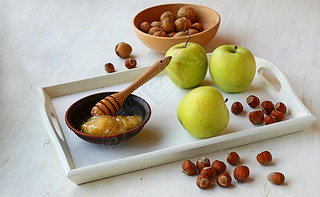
(209, 18)
(80, 112)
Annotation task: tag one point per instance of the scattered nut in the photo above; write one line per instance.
(209, 171)
(241, 173)
(224, 179)
(202, 162)
(256, 117)
(264, 158)
(188, 12)
(154, 30)
(276, 178)
(130, 63)
(182, 24)
(168, 16)
(197, 26)
(123, 49)
(253, 101)
(180, 34)
(237, 108)
(189, 168)
(269, 120)
(278, 115)
(145, 27)
(233, 158)
(109, 67)
(267, 107)
(280, 107)
(171, 34)
(220, 166)
(203, 181)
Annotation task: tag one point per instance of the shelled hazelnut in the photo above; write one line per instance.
(224, 179)
(264, 158)
(241, 173)
(189, 168)
(276, 178)
(202, 162)
(269, 120)
(220, 166)
(203, 181)
(253, 101)
(233, 158)
(267, 107)
(237, 108)
(256, 117)
(123, 49)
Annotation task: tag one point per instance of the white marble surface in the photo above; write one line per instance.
(50, 42)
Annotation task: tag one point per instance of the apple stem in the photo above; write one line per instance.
(226, 100)
(185, 46)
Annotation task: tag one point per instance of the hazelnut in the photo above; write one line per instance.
(168, 16)
(256, 117)
(237, 108)
(278, 115)
(241, 173)
(189, 168)
(167, 26)
(188, 12)
(203, 181)
(269, 120)
(197, 26)
(130, 63)
(156, 24)
(109, 67)
(233, 158)
(192, 31)
(160, 33)
(123, 49)
(276, 178)
(220, 166)
(171, 34)
(154, 30)
(253, 101)
(180, 34)
(264, 158)
(224, 179)
(209, 171)
(202, 162)
(182, 24)
(145, 27)
(267, 107)
(280, 107)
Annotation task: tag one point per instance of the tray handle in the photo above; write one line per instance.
(273, 79)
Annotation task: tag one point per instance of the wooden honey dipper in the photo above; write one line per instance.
(111, 104)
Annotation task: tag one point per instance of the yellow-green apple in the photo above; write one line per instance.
(203, 112)
(188, 66)
(232, 68)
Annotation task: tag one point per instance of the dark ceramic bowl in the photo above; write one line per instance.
(79, 112)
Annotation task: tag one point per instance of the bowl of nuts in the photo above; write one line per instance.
(163, 26)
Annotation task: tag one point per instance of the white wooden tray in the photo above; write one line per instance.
(163, 139)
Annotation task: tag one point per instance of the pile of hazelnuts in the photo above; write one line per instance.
(123, 50)
(216, 172)
(184, 23)
(274, 113)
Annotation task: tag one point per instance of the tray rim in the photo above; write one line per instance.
(98, 171)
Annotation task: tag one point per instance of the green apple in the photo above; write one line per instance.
(232, 68)
(203, 112)
(188, 66)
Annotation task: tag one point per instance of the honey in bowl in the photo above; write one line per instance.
(110, 125)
